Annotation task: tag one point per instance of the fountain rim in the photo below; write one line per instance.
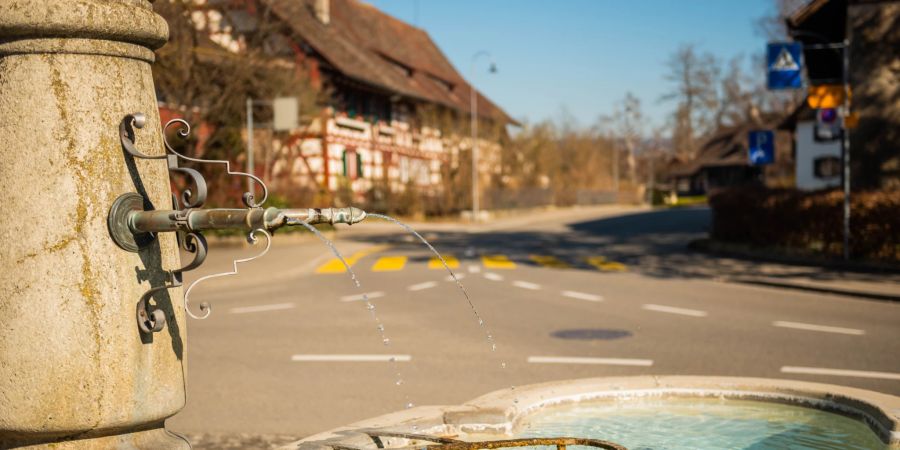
(502, 411)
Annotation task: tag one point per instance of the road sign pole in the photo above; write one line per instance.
(845, 149)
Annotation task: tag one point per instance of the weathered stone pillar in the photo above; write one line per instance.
(75, 371)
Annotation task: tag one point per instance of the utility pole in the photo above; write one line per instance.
(651, 178)
(845, 144)
(615, 168)
(250, 168)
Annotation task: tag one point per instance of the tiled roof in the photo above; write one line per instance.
(369, 46)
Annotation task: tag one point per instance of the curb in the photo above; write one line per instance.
(821, 289)
(710, 246)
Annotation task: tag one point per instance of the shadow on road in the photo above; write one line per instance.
(652, 243)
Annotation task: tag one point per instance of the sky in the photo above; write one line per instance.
(581, 56)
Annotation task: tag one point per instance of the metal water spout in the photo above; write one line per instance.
(129, 222)
(134, 223)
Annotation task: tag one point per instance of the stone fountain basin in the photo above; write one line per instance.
(497, 415)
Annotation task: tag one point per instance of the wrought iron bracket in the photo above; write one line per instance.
(132, 226)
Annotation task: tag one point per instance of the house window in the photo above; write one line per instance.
(827, 167)
(352, 164)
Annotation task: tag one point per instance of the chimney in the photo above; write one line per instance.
(323, 11)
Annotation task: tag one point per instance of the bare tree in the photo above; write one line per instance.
(629, 123)
(694, 78)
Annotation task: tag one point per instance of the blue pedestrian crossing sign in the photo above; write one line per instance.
(761, 148)
(785, 65)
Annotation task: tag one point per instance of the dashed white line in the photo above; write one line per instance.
(493, 276)
(588, 360)
(459, 276)
(351, 358)
(361, 297)
(422, 286)
(474, 269)
(582, 296)
(813, 327)
(261, 308)
(674, 310)
(526, 285)
(841, 372)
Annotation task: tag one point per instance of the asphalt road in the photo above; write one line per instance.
(586, 294)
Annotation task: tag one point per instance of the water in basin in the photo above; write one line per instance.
(671, 423)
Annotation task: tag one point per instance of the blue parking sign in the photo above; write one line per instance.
(761, 147)
(785, 65)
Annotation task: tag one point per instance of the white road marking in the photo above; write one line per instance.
(585, 360)
(493, 276)
(422, 286)
(261, 308)
(582, 296)
(674, 310)
(361, 297)
(459, 276)
(351, 358)
(526, 285)
(812, 327)
(474, 269)
(841, 372)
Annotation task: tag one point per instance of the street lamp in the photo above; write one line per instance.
(474, 117)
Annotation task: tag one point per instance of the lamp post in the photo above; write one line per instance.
(473, 99)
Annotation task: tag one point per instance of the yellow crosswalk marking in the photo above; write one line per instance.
(435, 263)
(601, 264)
(497, 262)
(389, 264)
(334, 265)
(549, 261)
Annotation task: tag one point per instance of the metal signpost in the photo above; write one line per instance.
(785, 67)
(761, 148)
(285, 118)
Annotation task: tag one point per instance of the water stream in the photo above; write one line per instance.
(481, 323)
(369, 305)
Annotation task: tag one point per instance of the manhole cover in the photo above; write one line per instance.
(591, 334)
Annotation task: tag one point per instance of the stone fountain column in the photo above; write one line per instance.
(75, 371)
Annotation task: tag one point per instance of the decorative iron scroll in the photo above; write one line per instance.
(443, 443)
(191, 197)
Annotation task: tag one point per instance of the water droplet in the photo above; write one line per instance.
(409, 405)
(493, 347)
(386, 341)
(502, 365)
(512, 388)
(398, 382)
(370, 306)
(481, 322)
(380, 327)
(415, 427)
(515, 400)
